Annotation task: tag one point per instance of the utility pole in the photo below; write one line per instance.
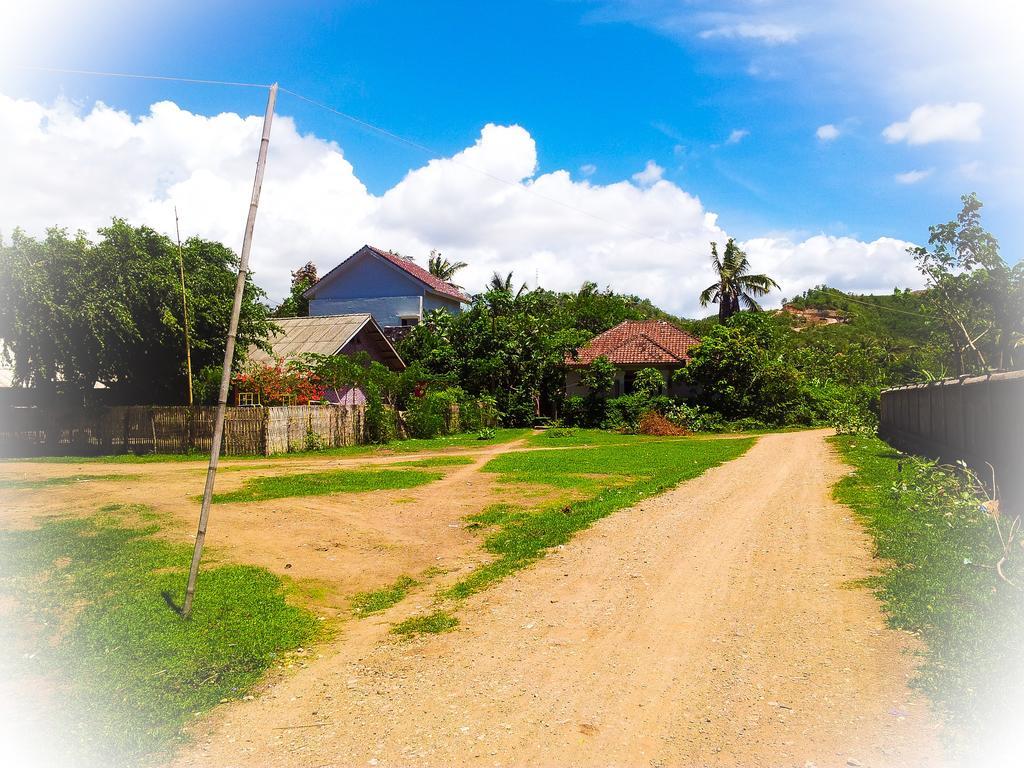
(229, 354)
(184, 306)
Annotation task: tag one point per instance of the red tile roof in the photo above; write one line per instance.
(638, 342)
(434, 283)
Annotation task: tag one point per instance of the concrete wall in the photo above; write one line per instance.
(976, 419)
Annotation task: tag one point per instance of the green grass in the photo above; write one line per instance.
(553, 438)
(366, 603)
(939, 582)
(464, 440)
(322, 483)
(129, 672)
(631, 473)
(436, 461)
(53, 482)
(431, 624)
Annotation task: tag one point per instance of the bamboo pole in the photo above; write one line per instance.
(229, 354)
(184, 306)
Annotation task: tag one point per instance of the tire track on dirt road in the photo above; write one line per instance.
(713, 625)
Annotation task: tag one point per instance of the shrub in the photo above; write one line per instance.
(313, 440)
(431, 415)
(695, 418)
(624, 412)
(379, 419)
(477, 413)
(648, 382)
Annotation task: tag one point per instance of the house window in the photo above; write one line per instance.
(407, 321)
(247, 399)
(629, 382)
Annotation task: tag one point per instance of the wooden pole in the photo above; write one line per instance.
(229, 355)
(184, 306)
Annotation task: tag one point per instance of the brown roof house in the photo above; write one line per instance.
(329, 335)
(631, 346)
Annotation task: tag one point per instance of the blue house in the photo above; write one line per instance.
(395, 290)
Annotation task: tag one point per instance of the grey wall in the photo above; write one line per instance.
(976, 419)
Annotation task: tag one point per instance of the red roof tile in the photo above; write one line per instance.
(434, 283)
(638, 342)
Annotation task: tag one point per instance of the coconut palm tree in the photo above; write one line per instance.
(735, 286)
(504, 285)
(440, 267)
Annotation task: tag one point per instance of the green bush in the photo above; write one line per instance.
(625, 412)
(695, 418)
(380, 418)
(431, 415)
(477, 413)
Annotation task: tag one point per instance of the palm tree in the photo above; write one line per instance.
(499, 284)
(444, 269)
(735, 286)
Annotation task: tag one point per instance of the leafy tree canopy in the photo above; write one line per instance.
(74, 312)
(297, 305)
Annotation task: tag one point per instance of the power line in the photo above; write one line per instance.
(141, 77)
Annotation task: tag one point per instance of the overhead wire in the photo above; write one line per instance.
(133, 76)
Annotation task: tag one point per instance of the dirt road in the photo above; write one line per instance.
(714, 625)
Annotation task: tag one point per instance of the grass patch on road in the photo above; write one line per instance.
(431, 624)
(631, 473)
(436, 461)
(53, 482)
(322, 483)
(940, 582)
(367, 603)
(129, 673)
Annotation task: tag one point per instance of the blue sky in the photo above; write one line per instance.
(724, 98)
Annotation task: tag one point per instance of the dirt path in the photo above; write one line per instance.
(714, 625)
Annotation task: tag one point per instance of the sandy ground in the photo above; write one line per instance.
(339, 544)
(714, 625)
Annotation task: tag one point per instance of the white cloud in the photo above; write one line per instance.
(912, 177)
(77, 169)
(841, 262)
(736, 136)
(827, 132)
(770, 34)
(588, 169)
(651, 173)
(938, 122)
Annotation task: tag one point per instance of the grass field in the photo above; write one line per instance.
(129, 672)
(597, 481)
(940, 583)
(464, 440)
(322, 483)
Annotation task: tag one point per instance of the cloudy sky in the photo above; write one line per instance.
(564, 141)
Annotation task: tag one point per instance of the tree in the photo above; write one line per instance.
(74, 313)
(741, 370)
(598, 376)
(735, 286)
(973, 297)
(444, 269)
(297, 305)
